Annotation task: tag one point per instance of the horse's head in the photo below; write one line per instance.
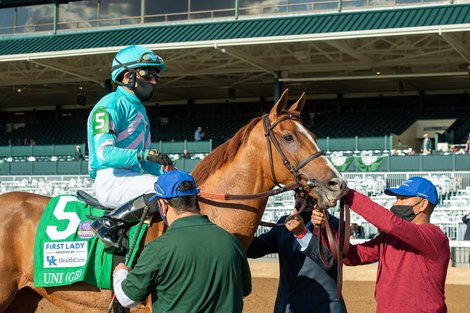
(294, 154)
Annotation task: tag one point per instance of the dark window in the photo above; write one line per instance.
(7, 20)
(212, 9)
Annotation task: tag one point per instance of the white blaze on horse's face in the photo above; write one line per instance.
(301, 128)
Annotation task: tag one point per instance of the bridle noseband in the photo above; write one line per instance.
(270, 138)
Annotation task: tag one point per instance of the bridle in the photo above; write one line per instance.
(270, 138)
(338, 250)
(295, 170)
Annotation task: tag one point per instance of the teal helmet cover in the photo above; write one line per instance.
(135, 57)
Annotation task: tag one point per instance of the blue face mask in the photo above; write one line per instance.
(405, 211)
(163, 216)
(160, 210)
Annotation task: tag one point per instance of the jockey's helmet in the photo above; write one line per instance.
(135, 57)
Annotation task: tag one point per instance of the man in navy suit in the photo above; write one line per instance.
(305, 285)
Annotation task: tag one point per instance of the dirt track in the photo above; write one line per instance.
(358, 289)
(359, 297)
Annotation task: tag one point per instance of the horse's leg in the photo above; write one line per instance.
(8, 292)
(19, 215)
(10, 276)
(26, 300)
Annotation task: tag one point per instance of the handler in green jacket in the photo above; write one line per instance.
(195, 266)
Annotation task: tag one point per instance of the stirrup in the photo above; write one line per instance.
(111, 228)
(116, 247)
(110, 232)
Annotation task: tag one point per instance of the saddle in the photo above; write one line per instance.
(113, 226)
(90, 200)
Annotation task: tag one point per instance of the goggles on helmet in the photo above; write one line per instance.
(148, 73)
(150, 57)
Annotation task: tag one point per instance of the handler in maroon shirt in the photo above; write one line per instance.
(413, 254)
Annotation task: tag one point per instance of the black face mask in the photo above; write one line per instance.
(144, 90)
(404, 211)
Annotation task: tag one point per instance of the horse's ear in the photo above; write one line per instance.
(280, 104)
(299, 105)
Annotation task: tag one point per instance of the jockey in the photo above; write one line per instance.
(121, 160)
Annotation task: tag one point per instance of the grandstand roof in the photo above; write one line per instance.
(253, 31)
(337, 52)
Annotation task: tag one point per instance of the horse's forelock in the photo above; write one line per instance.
(223, 153)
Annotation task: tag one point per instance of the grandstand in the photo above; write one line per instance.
(378, 75)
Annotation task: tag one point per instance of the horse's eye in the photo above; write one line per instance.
(288, 138)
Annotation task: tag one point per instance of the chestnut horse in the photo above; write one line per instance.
(276, 149)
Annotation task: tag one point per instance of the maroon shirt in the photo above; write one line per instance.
(413, 260)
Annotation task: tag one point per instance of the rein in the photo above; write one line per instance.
(338, 250)
(266, 194)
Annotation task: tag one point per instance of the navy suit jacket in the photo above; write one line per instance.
(305, 286)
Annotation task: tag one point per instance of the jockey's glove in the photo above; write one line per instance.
(152, 155)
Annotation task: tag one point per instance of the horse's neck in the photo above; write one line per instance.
(240, 217)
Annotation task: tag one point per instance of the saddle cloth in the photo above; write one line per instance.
(67, 251)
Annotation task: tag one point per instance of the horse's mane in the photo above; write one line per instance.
(223, 153)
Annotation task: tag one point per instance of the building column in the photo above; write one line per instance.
(277, 87)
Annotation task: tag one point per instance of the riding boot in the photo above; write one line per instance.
(110, 227)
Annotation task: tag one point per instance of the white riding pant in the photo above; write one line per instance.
(115, 187)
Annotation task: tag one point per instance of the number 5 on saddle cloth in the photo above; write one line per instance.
(66, 249)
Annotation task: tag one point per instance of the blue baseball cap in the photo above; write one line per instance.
(167, 185)
(415, 186)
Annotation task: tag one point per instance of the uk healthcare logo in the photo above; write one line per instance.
(52, 261)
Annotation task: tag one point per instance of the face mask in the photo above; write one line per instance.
(404, 211)
(162, 215)
(144, 90)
